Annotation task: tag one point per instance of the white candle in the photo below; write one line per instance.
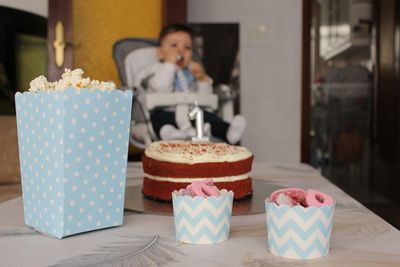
(197, 113)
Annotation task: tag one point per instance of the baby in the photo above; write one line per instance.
(176, 72)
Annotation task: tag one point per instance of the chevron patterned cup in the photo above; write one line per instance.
(200, 220)
(298, 232)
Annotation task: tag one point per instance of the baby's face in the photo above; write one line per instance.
(177, 45)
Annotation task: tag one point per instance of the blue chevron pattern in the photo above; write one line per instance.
(201, 220)
(298, 232)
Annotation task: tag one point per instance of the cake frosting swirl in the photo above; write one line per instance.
(192, 153)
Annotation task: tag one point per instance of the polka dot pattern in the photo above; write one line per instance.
(73, 156)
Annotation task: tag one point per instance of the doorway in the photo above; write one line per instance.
(217, 44)
(353, 101)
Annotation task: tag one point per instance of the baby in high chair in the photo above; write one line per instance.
(176, 72)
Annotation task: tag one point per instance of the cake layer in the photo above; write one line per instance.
(190, 180)
(161, 190)
(206, 169)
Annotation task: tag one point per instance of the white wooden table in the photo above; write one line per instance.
(359, 237)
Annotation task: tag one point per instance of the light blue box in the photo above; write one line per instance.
(73, 147)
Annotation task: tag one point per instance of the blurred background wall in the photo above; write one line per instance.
(270, 64)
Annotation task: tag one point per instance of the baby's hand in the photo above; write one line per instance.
(199, 72)
(170, 55)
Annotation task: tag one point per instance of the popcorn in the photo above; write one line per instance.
(69, 78)
(39, 83)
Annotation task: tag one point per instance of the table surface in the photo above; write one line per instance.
(359, 237)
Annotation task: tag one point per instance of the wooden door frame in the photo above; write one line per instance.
(306, 80)
(59, 10)
(174, 11)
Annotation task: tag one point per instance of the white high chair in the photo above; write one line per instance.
(131, 55)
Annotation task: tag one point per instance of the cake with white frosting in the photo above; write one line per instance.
(172, 165)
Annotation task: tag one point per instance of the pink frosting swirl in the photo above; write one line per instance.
(205, 188)
(300, 197)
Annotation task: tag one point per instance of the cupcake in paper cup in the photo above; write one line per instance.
(299, 223)
(202, 213)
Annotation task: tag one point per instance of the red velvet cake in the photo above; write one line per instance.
(172, 165)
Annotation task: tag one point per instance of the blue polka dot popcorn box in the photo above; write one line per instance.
(73, 147)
